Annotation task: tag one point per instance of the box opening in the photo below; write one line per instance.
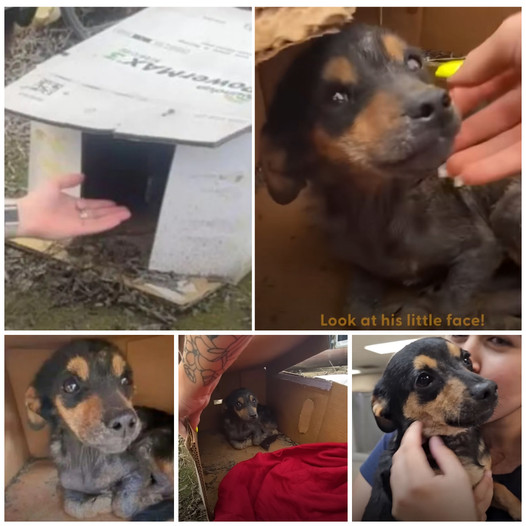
(133, 174)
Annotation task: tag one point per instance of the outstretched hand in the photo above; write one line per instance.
(49, 213)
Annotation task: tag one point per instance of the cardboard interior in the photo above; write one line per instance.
(30, 476)
(308, 410)
(299, 284)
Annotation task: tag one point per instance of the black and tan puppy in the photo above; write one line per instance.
(247, 422)
(357, 119)
(110, 455)
(432, 381)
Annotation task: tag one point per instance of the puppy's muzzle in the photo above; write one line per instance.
(429, 105)
(121, 423)
(484, 391)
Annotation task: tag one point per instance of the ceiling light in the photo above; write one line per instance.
(356, 371)
(389, 347)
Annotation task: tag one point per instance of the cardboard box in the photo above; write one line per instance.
(30, 476)
(157, 112)
(299, 284)
(308, 410)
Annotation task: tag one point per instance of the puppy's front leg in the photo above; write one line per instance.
(85, 506)
(127, 499)
(241, 444)
(471, 271)
(364, 294)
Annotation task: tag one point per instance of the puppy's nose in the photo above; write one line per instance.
(254, 415)
(122, 423)
(483, 390)
(428, 105)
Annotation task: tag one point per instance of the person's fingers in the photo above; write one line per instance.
(498, 166)
(483, 493)
(467, 98)
(100, 224)
(97, 213)
(500, 115)
(500, 51)
(90, 204)
(447, 461)
(412, 454)
(465, 157)
(67, 180)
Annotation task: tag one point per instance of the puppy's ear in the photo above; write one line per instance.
(33, 404)
(381, 412)
(283, 183)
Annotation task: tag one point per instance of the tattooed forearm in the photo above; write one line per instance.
(205, 358)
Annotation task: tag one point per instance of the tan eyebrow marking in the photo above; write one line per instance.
(118, 364)
(78, 366)
(422, 361)
(394, 46)
(341, 70)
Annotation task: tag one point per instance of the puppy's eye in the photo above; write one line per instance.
(70, 385)
(254, 403)
(239, 405)
(466, 360)
(126, 380)
(340, 97)
(423, 380)
(413, 62)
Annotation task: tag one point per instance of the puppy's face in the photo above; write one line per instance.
(243, 403)
(87, 387)
(432, 380)
(360, 99)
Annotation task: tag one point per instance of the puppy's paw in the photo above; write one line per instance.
(87, 507)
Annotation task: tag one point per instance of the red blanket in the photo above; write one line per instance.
(301, 483)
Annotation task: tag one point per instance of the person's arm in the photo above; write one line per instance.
(361, 493)
(49, 213)
(204, 360)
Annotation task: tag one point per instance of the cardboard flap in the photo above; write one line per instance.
(280, 27)
(171, 74)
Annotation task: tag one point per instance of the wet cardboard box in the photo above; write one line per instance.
(31, 492)
(308, 410)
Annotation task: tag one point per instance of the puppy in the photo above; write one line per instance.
(110, 456)
(246, 422)
(357, 119)
(432, 380)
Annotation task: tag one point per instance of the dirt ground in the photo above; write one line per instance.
(41, 293)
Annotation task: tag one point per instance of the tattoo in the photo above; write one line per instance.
(205, 358)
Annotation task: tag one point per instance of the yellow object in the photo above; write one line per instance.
(46, 15)
(448, 69)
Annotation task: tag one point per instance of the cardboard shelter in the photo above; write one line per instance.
(157, 112)
(30, 476)
(298, 279)
(308, 410)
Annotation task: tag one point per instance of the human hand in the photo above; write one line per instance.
(421, 494)
(49, 213)
(483, 493)
(190, 407)
(488, 146)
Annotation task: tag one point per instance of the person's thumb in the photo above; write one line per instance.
(68, 180)
(447, 461)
